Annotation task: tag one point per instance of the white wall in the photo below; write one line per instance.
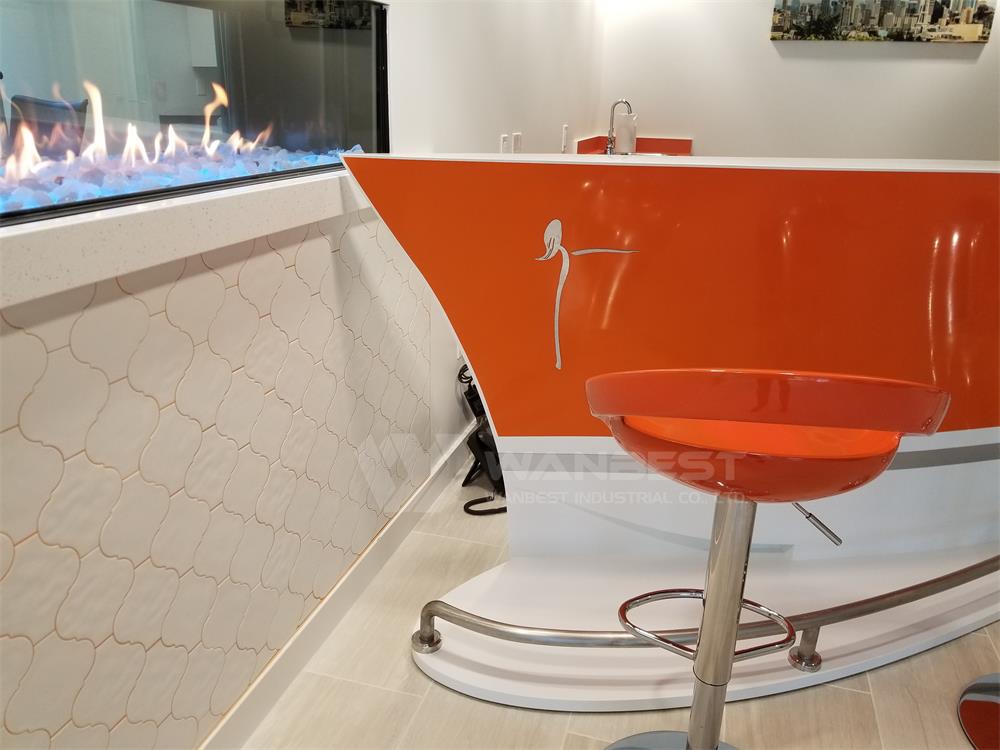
(706, 69)
(462, 72)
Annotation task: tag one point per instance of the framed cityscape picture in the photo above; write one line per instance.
(935, 21)
(329, 14)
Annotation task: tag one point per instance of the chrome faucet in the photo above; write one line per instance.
(610, 150)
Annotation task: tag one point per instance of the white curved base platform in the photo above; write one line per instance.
(585, 594)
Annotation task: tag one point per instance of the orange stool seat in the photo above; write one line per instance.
(764, 435)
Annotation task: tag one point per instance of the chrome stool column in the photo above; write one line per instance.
(714, 654)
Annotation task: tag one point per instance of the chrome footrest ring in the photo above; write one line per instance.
(686, 651)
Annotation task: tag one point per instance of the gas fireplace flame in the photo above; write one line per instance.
(174, 142)
(134, 147)
(69, 161)
(262, 138)
(97, 151)
(221, 100)
(25, 159)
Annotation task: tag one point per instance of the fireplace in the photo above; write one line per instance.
(111, 102)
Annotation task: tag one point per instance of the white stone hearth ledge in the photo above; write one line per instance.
(52, 255)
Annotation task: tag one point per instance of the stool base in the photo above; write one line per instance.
(658, 741)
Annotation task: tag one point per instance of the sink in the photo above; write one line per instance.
(645, 146)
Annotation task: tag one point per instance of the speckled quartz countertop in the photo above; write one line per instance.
(52, 255)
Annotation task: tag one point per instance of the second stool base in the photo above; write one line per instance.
(658, 741)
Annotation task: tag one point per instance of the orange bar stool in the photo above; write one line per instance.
(749, 436)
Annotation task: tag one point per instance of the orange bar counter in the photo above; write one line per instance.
(553, 269)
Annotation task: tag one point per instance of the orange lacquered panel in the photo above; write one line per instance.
(886, 274)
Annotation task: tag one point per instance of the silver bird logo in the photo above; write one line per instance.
(553, 246)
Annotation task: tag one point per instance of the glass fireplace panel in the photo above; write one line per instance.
(111, 101)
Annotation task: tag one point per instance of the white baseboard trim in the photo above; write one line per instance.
(242, 719)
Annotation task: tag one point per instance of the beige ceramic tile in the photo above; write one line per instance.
(614, 726)
(446, 517)
(579, 742)
(64, 403)
(916, 699)
(372, 643)
(320, 712)
(449, 720)
(819, 718)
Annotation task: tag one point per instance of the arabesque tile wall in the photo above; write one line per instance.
(192, 456)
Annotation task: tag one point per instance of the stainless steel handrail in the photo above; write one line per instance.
(427, 639)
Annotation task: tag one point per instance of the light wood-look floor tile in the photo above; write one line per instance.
(579, 742)
(446, 517)
(322, 712)
(916, 699)
(362, 690)
(449, 720)
(614, 726)
(819, 718)
(372, 643)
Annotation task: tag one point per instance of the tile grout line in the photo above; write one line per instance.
(995, 644)
(458, 539)
(565, 734)
(878, 724)
(849, 690)
(350, 681)
(581, 734)
(397, 745)
(502, 557)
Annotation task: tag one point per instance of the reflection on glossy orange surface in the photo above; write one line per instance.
(768, 397)
(835, 271)
(771, 436)
(790, 441)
